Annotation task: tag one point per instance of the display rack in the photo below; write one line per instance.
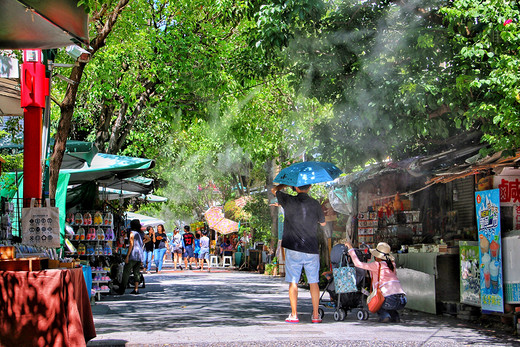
(93, 237)
(402, 227)
(100, 281)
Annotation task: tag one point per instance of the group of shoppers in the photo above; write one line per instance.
(155, 247)
(187, 248)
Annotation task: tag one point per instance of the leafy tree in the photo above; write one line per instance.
(383, 67)
(485, 36)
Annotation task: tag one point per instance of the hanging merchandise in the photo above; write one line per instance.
(81, 249)
(108, 219)
(87, 219)
(91, 234)
(41, 225)
(100, 234)
(109, 235)
(98, 218)
(78, 219)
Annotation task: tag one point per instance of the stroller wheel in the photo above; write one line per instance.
(321, 313)
(339, 314)
(365, 315)
(360, 315)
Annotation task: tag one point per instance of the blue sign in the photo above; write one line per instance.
(490, 250)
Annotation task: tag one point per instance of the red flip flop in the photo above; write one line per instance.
(292, 319)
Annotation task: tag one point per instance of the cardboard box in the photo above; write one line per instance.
(24, 264)
(54, 264)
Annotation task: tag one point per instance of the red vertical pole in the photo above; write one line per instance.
(33, 90)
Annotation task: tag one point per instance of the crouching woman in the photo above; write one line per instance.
(384, 268)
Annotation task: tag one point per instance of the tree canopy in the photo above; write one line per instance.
(218, 91)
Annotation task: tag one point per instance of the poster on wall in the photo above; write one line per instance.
(469, 273)
(490, 251)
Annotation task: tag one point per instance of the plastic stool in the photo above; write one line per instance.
(213, 261)
(227, 261)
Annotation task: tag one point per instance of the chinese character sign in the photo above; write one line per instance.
(509, 187)
(490, 252)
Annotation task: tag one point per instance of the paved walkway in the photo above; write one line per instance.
(231, 308)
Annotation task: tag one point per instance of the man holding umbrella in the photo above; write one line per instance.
(300, 240)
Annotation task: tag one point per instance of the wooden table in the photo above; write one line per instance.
(45, 308)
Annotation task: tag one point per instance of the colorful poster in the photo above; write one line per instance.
(469, 273)
(490, 250)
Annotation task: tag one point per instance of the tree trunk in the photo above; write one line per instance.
(102, 134)
(69, 102)
(60, 141)
(120, 131)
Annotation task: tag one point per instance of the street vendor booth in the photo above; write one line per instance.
(423, 223)
(38, 307)
(223, 227)
(453, 222)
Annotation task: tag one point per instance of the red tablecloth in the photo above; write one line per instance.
(45, 308)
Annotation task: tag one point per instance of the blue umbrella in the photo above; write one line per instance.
(307, 172)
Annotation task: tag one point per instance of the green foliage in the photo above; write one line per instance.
(13, 162)
(260, 218)
(486, 37)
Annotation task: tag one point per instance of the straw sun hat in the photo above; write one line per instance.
(382, 251)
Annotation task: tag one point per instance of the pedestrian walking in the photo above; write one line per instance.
(204, 250)
(148, 248)
(300, 240)
(196, 249)
(187, 242)
(383, 268)
(161, 242)
(176, 249)
(134, 256)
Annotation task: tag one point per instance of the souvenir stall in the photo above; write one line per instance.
(223, 227)
(60, 293)
(423, 223)
(489, 278)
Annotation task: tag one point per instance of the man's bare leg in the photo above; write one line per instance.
(293, 297)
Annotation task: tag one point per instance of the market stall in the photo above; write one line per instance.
(59, 308)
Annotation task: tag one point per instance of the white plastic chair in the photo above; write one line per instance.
(213, 261)
(227, 261)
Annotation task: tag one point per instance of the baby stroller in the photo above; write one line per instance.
(343, 302)
(116, 275)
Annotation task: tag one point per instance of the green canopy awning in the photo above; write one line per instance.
(108, 168)
(139, 184)
(77, 153)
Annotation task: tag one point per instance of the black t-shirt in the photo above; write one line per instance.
(188, 239)
(148, 247)
(162, 242)
(300, 227)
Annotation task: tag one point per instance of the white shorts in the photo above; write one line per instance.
(295, 261)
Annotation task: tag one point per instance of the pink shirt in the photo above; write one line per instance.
(388, 279)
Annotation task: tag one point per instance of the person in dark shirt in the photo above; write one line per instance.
(161, 244)
(188, 241)
(300, 240)
(148, 248)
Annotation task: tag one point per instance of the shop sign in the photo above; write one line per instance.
(509, 187)
(469, 273)
(516, 217)
(490, 252)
